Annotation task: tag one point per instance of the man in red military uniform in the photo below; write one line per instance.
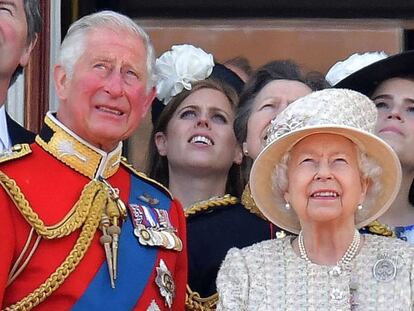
(80, 229)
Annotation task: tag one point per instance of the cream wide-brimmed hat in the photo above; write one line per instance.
(335, 111)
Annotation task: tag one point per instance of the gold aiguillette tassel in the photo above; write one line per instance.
(114, 230)
(106, 242)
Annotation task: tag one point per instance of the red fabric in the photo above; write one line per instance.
(43, 180)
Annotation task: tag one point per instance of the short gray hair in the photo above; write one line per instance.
(74, 43)
(368, 167)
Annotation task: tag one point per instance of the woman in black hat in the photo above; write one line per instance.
(194, 152)
(389, 81)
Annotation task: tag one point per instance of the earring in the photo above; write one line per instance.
(360, 207)
(246, 152)
(287, 206)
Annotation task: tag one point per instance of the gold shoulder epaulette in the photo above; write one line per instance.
(17, 151)
(142, 175)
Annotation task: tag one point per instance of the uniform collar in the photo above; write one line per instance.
(77, 153)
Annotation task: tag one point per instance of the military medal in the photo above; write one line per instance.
(152, 227)
(165, 282)
(385, 269)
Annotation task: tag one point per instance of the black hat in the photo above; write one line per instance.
(368, 78)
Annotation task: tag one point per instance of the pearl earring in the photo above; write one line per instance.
(287, 206)
(360, 207)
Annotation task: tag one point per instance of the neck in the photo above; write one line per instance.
(401, 212)
(3, 91)
(327, 244)
(190, 189)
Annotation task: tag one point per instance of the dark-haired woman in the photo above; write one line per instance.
(194, 152)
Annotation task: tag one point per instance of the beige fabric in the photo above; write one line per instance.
(270, 276)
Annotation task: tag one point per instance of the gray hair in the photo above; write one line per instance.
(368, 167)
(74, 43)
(34, 25)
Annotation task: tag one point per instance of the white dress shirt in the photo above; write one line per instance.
(5, 142)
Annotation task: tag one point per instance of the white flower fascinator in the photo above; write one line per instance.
(178, 68)
(353, 63)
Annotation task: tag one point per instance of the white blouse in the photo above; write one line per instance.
(270, 276)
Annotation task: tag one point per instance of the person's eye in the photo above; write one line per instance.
(340, 160)
(267, 106)
(6, 9)
(381, 105)
(306, 160)
(410, 109)
(188, 114)
(219, 118)
(101, 66)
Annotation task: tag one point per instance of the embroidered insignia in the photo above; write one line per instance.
(385, 268)
(152, 227)
(165, 282)
(153, 306)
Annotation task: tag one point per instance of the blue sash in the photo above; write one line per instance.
(135, 262)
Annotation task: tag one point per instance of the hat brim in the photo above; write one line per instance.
(267, 199)
(368, 78)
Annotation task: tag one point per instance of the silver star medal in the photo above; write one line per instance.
(165, 282)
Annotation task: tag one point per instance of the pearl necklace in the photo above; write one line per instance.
(346, 258)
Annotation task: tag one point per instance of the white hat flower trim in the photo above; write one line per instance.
(353, 63)
(178, 68)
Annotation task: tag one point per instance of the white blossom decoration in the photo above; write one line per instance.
(353, 63)
(178, 68)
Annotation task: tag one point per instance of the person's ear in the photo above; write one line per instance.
(161, 142)
(365, 183)
(24, 58)
(286, 196)
(245, 150)
(61, 81)
(238, 155)
(148, 101)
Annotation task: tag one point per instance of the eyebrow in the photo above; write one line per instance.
(386, 96)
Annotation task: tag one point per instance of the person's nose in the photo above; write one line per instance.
(203, 121)
(394, 113)
(323, 171)
(114, 85)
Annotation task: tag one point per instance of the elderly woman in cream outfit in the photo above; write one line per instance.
(323, 175)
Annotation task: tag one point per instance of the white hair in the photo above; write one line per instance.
(368, 167)
(74, 43)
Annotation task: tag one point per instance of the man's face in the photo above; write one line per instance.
(105, 98)
(14, 48)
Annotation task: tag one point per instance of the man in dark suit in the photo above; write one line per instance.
(20, 22)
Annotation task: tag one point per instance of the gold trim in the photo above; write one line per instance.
(76, 154)
(381, 229)
(71, 222)
(249, 203)
(212, 202)
(98, 193)
(17, 151)
(130, 167)
(193, 301)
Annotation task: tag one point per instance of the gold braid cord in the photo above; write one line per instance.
(93, 199)
(250, 204)
(212, 202)
(73, 220)
(193, 301)
(381, 229)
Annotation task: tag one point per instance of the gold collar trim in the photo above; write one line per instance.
(249, 203)
(77, 153)
(210, 203)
